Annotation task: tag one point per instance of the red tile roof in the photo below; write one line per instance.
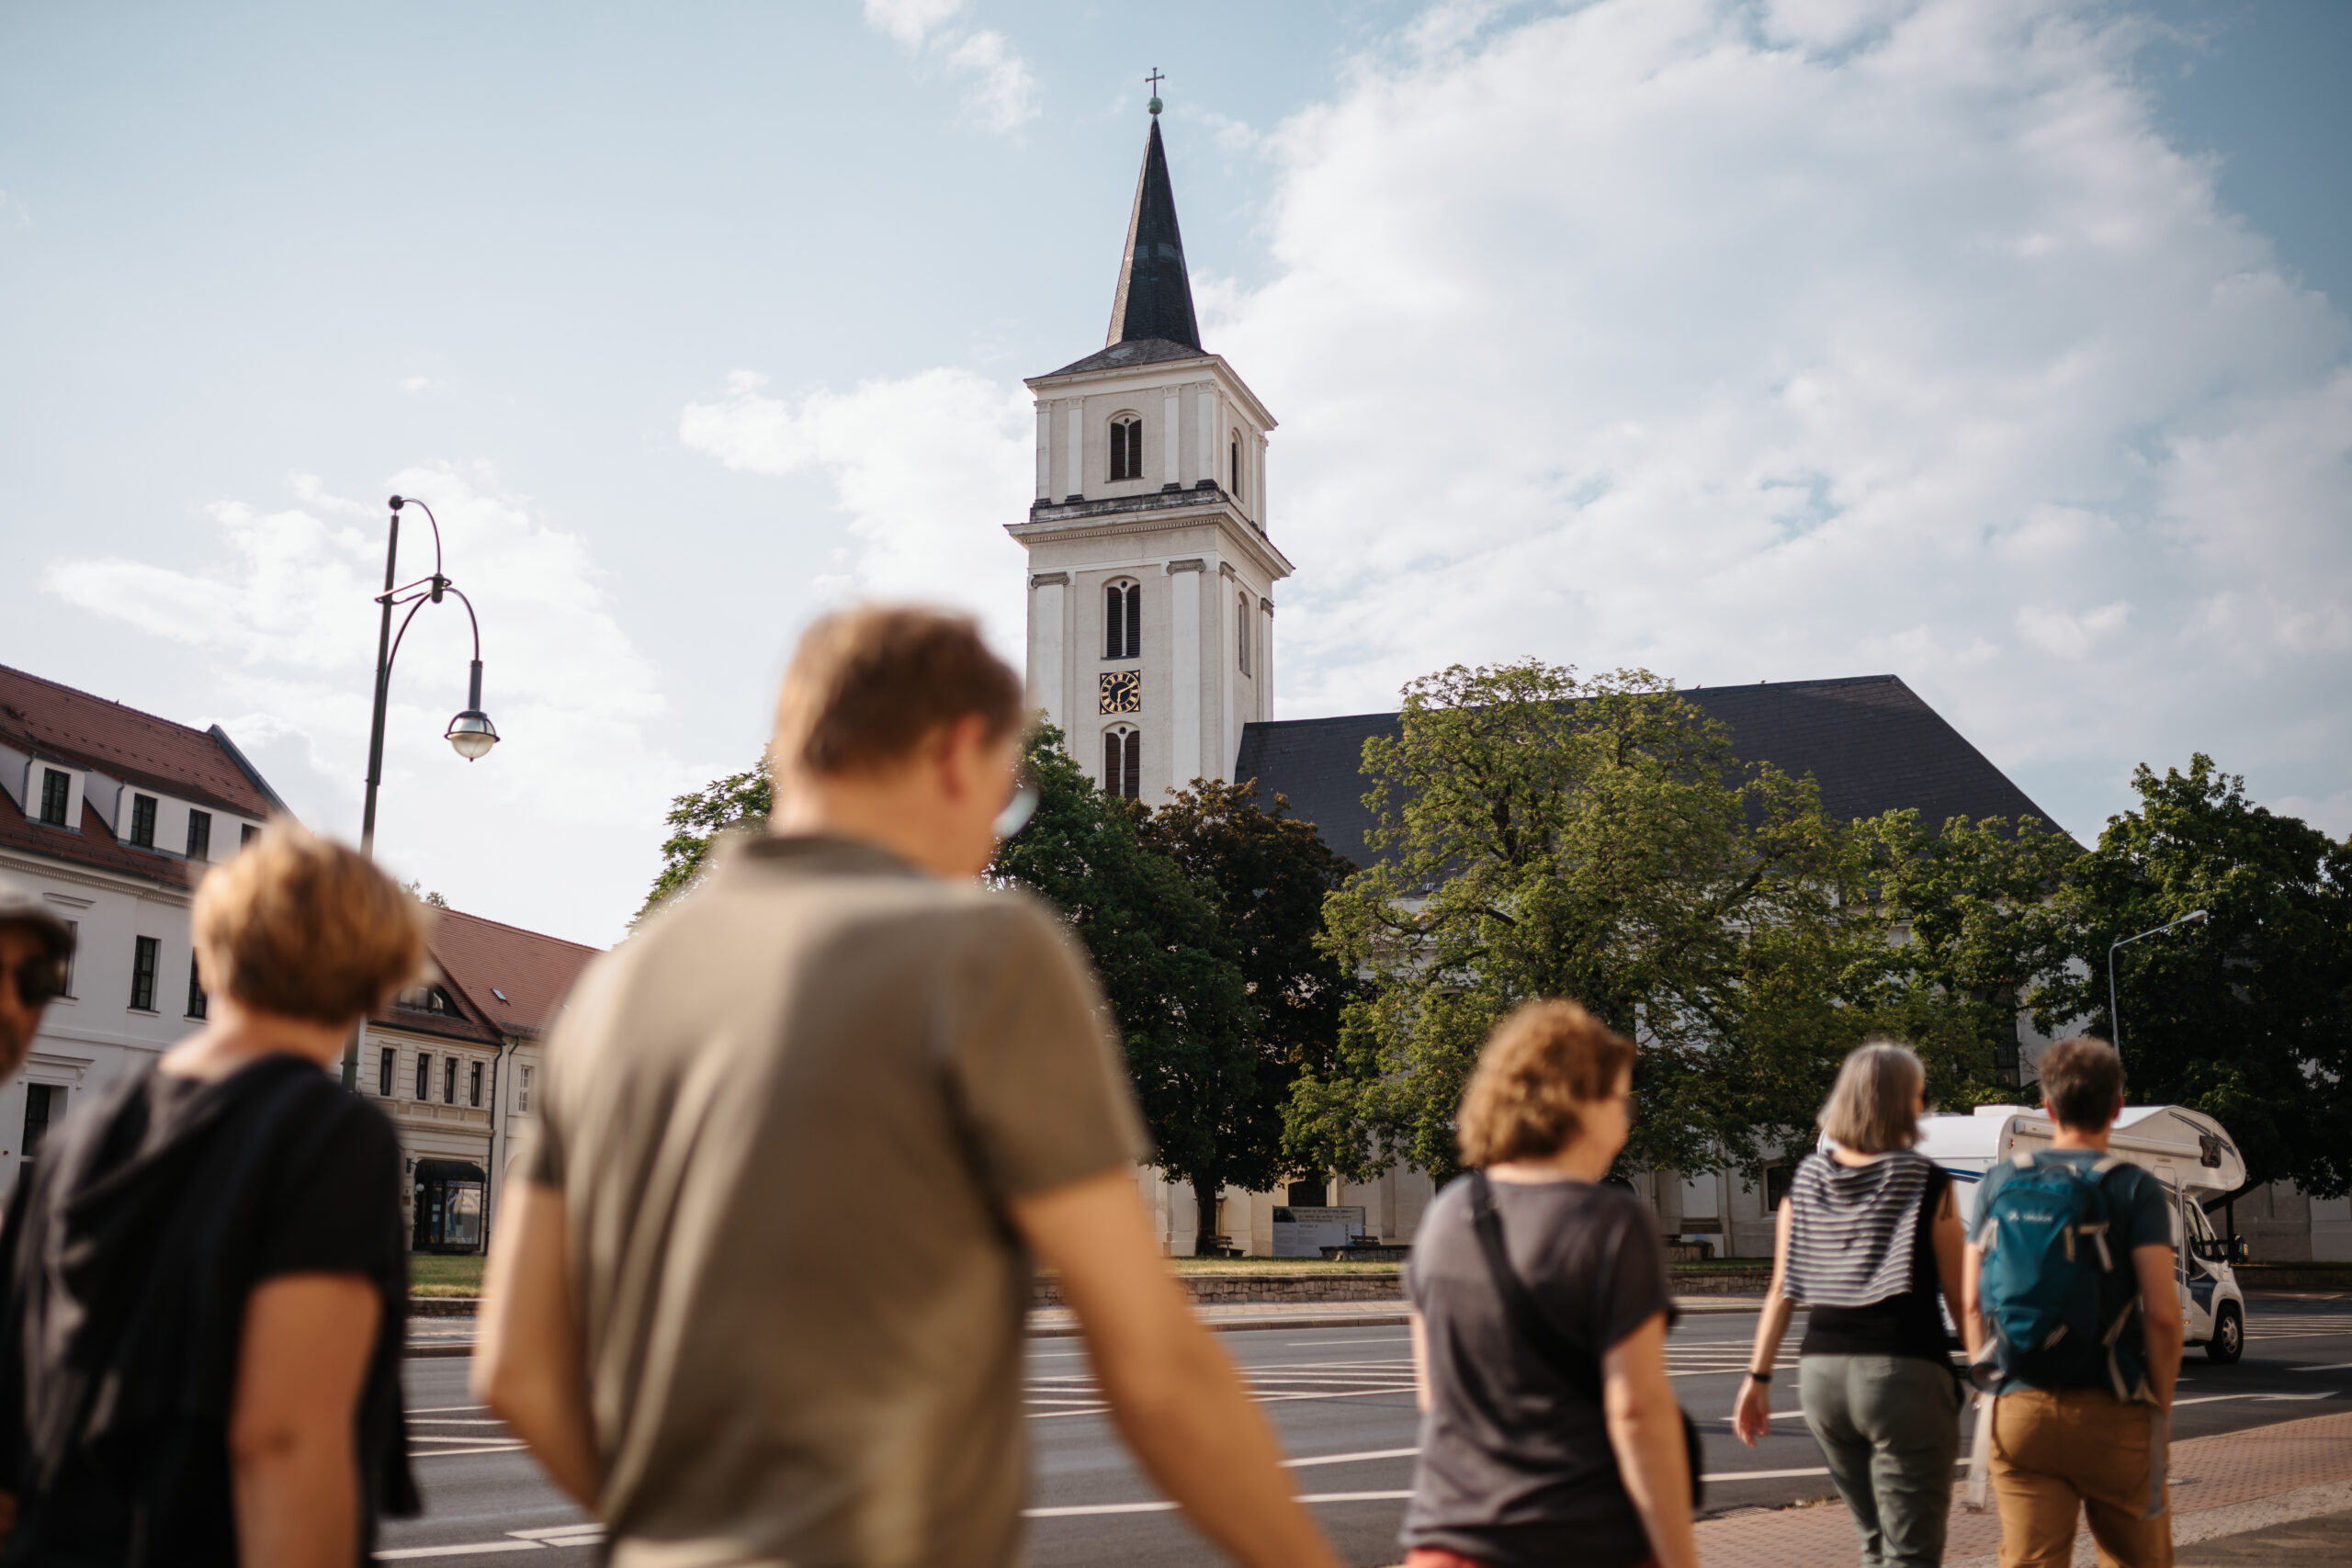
(517, 978)
(95, 845)
(50, 721)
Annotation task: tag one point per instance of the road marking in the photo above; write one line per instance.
(2331, 1367)
(440, 1409)
(1351, 1458)
(2215, 1398)
(460, 1420)
(539, 1539)
(1308, 1343)
(1089, 1510)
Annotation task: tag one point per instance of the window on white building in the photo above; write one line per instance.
(1126, 447)
(199, 835)
(142, 820)
(196, 1000)
(425, 1074)
(1122, 762)
(475, 1092)
(146, 957)
(1123, 620)
(449, 1080)
(44, 1103)
(522, 1090)
(1237, 465)
(386, 1059)
(1241, 625)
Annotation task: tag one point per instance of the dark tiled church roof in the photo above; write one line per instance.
(1155, 298)
(1868, 740)
(1144, 351)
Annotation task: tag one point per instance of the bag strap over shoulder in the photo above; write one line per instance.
(1528, 1319)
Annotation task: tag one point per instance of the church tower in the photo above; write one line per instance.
(1151, 574)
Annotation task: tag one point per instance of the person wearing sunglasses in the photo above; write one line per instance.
(759, 1296)
(36, 948)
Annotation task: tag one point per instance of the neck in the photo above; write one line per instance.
(1583, 1159)
(2077, 1138)
(236, 1036)
(874, 811)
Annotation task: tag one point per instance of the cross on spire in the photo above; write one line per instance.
(1155, 79)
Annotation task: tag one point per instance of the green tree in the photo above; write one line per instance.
(1976, 936)
(1265, 875)
(1543, 835)
(698, 820)
(1172, 976)
(2248, 1017)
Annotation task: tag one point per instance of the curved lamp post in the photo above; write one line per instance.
(2114, 1016)
(470, 733)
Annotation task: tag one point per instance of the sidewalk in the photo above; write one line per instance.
(2240, 1484)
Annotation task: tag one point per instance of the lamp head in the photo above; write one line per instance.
(2195, 918)
(472, 735)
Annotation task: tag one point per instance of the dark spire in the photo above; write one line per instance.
(1155, 299)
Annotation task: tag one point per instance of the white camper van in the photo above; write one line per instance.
(2190, 1152)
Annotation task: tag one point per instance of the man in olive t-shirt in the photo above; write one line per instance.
(762, 1299)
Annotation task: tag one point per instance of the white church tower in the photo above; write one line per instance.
(1151, 575)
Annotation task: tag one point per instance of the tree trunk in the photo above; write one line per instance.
(1204, 1217)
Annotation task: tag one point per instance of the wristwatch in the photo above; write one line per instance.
(1754, 1376)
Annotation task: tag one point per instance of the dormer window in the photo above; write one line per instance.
(142, 820)
(1126, 447)
(428, 999)
(1123, 620)
(56, 789)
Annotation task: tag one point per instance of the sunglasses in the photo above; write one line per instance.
(1020, 808)
(38, 981)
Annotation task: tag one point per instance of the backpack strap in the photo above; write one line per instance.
(1581, 1369)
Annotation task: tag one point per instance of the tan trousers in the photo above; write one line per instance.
(2057, 1453)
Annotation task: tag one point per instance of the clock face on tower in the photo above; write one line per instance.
(1121, 691)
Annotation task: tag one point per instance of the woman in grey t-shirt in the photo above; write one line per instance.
(1520, 1467)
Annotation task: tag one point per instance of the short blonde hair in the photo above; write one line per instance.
(868, 684)
(1873, 1106)
(305, 926)
(1543, 1062)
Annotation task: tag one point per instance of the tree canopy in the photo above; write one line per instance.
(1546, 835)
(2248, 1017)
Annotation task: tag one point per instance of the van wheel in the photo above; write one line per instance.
(2229, 1335)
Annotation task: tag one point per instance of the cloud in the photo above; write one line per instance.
(1769, 341)
(928, 470)
(416, 383)
(1003, 93)
(285, 626)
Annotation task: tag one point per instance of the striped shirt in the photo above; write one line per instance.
(1852, 1227)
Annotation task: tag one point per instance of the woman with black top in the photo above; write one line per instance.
(1868, 1236)
(200, 1362)
(1549, 1428)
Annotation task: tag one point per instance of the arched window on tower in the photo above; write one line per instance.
(1123, 620)
(1122, 762)
(1126, 447)
(1241, 625)
(1237, 465)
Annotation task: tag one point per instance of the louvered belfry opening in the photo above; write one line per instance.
(1126, 448)
(1122, 763)
(1123, 621)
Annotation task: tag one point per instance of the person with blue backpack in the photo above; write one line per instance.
(2073, 1315)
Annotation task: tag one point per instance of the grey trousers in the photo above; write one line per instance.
(1889, 1426)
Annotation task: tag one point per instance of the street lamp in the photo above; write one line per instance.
(470, 733)
(2114, 1015)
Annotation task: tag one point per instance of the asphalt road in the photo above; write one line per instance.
(1342, 1399)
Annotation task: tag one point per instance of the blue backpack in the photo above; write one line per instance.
(2057, 1288)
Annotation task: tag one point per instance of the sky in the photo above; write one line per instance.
(2003, 348)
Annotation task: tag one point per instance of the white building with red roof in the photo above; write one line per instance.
(456, 1062)
(110, 814)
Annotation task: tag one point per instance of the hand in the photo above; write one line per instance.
(1752, 1417)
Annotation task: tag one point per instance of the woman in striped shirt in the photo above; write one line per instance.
(1868, 1235)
